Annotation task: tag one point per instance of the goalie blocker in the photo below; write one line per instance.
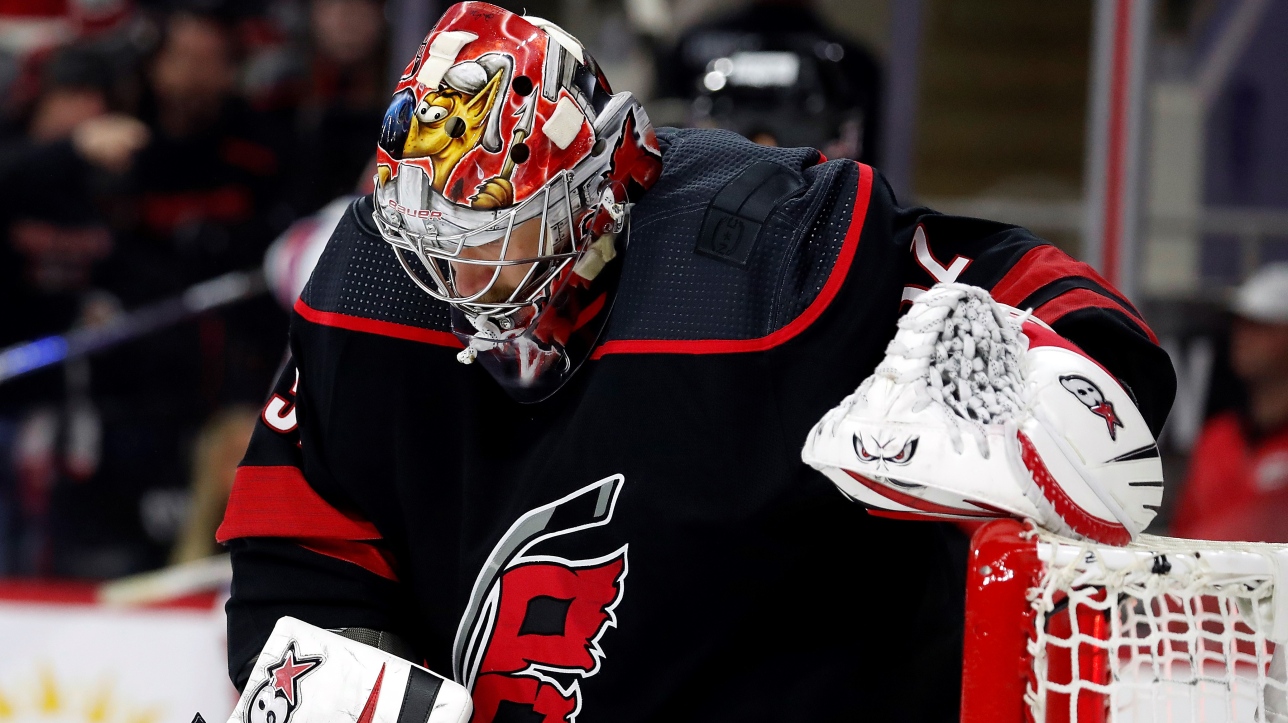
(309, 675)
(979, 411)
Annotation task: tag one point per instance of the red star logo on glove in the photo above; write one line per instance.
(1087, 392)
(286, 674)
(1105, 410)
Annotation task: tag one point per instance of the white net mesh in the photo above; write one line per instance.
(1163, 630)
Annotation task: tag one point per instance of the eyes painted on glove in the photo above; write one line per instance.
(881, 454)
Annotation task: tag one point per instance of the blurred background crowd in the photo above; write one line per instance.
(149, 145)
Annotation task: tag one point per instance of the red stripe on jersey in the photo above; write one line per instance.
(278, 502)
(1076, 299)
(840, 271)
(1041, 266)
(375, 326)
(364, 555)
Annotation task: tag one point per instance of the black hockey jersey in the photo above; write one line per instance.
(646, 544)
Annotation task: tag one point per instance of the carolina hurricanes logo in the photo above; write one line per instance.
(1090, 395)
(278, 696)
(532, 629)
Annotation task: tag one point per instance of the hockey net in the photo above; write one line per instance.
(1162, 630)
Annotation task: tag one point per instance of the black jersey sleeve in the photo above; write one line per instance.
(1021, 270)
(294, 552)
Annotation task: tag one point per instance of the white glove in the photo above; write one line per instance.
(979, 411)
(309, 675)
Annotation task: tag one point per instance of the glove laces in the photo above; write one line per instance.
(961, 351)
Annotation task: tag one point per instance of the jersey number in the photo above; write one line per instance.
(940, 273)
(279, 413)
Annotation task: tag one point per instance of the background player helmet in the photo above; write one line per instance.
(497, 121)
(792, 97)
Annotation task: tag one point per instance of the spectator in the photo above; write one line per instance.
(49, 181)
(56, 241)
(208, 184)
(193, 192)
(207, 198)
(1237, 487)
(36, 30)
(345, 98)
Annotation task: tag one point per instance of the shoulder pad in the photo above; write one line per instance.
(734, 241)
(358, 275)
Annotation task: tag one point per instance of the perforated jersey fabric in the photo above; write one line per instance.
(670, 292)
(667, 291)
(359, 275)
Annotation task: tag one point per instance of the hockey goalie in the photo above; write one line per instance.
(543, 416)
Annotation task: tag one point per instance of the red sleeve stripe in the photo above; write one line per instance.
(1044, 265)
(840, 271)
(364, 555)
(1076, 299)
(375, 326)
(278, 502)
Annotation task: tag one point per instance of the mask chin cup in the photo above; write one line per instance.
(534, 361)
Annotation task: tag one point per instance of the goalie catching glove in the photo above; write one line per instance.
(978, 411)
(309, 675)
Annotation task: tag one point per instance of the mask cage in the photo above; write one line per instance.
(560, 243)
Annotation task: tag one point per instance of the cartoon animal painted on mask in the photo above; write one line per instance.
(449, 121)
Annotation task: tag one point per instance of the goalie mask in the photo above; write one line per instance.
(505, 172)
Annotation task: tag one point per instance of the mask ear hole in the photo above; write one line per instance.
(455, 127)
(519, 153)
(522, 85)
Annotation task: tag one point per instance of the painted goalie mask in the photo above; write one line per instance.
(505, 171)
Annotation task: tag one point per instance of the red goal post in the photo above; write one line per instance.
(1162, 630)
